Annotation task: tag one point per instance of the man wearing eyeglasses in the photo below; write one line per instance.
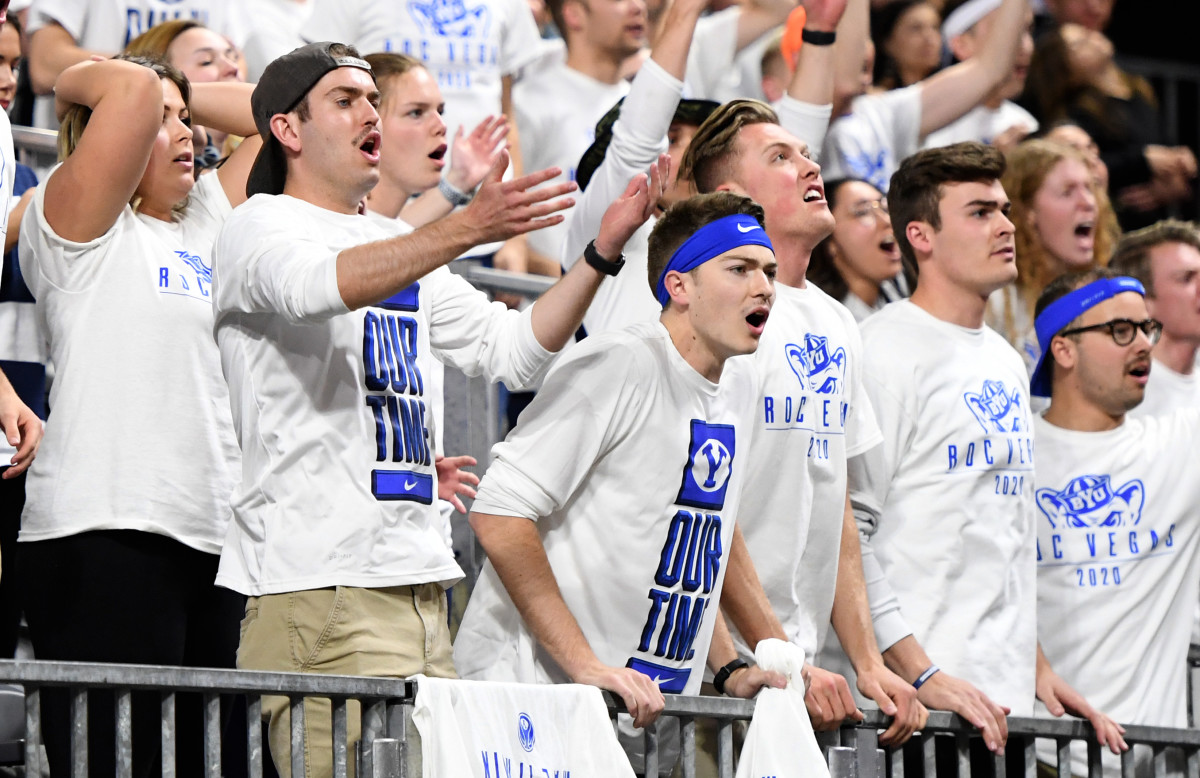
(1117, 529)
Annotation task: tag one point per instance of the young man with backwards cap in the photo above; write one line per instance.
(947, 501)
(327, 325)
(608, 513)
(1117, 536)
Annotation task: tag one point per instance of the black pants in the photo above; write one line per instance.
(12, 502)
(137, 597)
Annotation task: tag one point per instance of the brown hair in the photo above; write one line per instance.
(915, 192)
(76, 118)
(388, 65)
(155, 41)
(1132, 257)
(1028, 165)
(708, 161)
(682, 220)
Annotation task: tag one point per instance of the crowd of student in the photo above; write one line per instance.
(858, 357)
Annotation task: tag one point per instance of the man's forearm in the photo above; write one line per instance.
(851, 615)
(742, 597)
(516, 552)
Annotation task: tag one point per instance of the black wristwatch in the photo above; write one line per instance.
(723, 674)
(607, 267)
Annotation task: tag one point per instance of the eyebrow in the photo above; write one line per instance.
(353, 91)
(995, 205)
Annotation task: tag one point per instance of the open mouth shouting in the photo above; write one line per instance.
(370, 144)
(757, 320)
(814, 194)
(438, 155)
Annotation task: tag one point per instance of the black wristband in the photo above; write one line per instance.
(723, 674)
(818, 38)
(605, 266)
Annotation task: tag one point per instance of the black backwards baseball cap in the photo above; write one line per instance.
(283, 85)
(688, 112)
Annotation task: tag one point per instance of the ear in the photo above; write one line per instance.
(285, 126)
(733, 187)
(920, 237)
(1064, 352)
(962, 47)
(677, 287)
(574, 13)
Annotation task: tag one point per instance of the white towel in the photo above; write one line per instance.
(495, 730)
(780, 742)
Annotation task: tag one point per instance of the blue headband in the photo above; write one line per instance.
(712, 240)
(1067, 309)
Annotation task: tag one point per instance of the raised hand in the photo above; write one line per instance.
(472, 156)
(631, 210)
(502, 209)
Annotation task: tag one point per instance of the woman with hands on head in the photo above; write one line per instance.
(128, 503)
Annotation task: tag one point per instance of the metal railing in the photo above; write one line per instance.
(390, 746)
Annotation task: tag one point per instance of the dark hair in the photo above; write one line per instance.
(709, 157)
(886, 73)
(822, 270)
(555, 7)
(303, 109)
(915, 191)
(1132, 257)
(1053, 91)
(682, 220)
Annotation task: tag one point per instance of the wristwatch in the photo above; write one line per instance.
(605, 266)
(723, 674)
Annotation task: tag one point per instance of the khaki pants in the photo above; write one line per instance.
(394, 632)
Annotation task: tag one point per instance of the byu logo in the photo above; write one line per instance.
(872, 169)
(709, 465)
(1090, 501)
(451, 18)
(191, 279)
(817, 369)
(525, 731)
(995, 408)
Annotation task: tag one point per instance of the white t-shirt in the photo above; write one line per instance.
(109, 25)
(1167, 392)
(141, 436)
(273, 29)
(981, 124)
(871, 141)
(332, 406)
(812, 414)
(1117, 570)
(711, 56)
(557, 109)
(467, 47)
(949, 499)
(627, 460)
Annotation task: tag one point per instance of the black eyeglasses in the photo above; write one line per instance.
(1123, 331)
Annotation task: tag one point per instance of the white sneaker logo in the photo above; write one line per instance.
(747, 227)
(408, 485)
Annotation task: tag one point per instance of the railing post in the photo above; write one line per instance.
(33, 730)
(167, 733)
(254, 745)
(843, 763)
(124, 734)
(687, 751)
(212, 735)
(296, 752)
(650, 757)
(79, 733)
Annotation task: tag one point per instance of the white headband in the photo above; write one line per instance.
(967, 16)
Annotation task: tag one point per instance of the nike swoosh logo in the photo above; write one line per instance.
(408, 485)
(747, 227)
(659, 680)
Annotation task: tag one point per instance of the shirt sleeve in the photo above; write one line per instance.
(70, 14)
(481, 337)
(639, 136)
(870, 477)
(520, 44)
(587, 404)
(258, 268)
(45, 257)
(806, 121)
